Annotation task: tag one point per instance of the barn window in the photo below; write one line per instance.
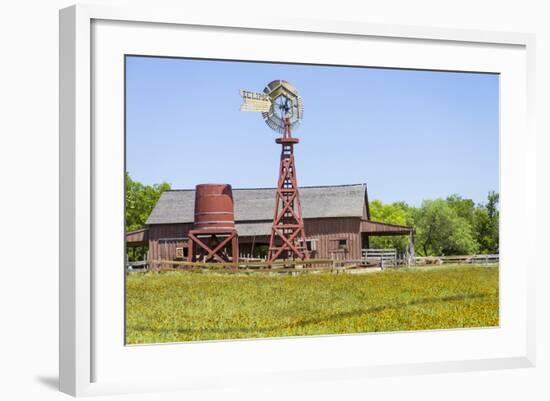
(181, 253)
(311, 244)
(340, 244)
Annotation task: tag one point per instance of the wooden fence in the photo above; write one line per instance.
(457, 259)
(280, 266)
(372, 258)
(386, 257)
(136, 265)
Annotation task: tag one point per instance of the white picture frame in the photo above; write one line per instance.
(85, 350)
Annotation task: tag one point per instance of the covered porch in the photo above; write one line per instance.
(371, 228)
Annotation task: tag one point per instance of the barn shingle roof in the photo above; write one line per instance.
(257, 204)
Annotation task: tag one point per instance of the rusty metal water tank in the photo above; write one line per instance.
(214, 207)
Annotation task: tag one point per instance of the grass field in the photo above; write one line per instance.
(179, 306)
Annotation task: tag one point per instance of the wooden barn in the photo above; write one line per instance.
(337, 222)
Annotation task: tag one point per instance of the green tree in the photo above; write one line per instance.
(487, 224)
(450, 226)
(140, 201)
(464, 208)
(442, 231)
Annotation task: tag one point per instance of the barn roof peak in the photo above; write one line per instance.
(273, 188)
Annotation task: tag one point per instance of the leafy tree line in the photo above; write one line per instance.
(451, 226)
(140, 201)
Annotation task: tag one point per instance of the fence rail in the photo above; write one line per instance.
(139, 264)
(386, 257)
(456, 259)
(249, 264)
(288, 266)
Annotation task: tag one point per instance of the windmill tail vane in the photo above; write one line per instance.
(254, 101)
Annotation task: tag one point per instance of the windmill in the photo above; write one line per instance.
(282, 110)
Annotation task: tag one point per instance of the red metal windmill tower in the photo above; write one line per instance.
(282, 110)
(287, 231)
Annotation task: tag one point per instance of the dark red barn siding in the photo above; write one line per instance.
(335, 238)
(328, 231)
(165, 238)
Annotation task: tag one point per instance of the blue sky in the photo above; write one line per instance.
(410, 135)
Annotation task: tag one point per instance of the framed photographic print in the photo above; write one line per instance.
(271, 199)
